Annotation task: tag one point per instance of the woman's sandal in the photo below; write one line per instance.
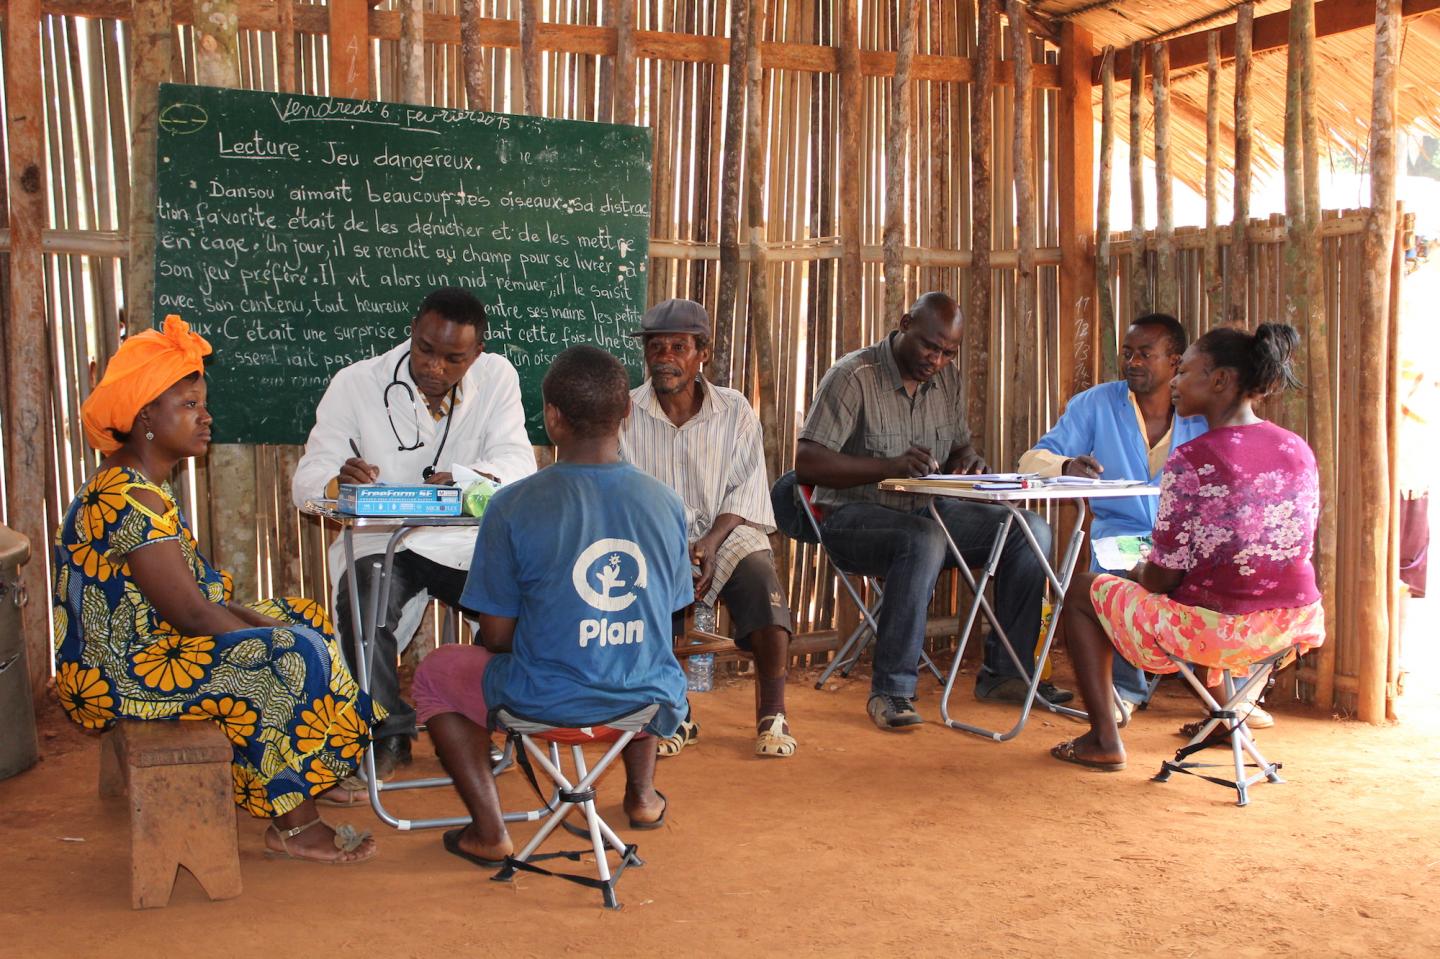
(347, 840)
(773, 740)
(348, 792)
(688, 732)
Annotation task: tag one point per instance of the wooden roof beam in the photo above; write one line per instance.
(1272, 32)
(595, 41)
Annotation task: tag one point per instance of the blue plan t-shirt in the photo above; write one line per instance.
(590, 561)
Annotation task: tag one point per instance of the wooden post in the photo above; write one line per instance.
(895, 168)
(1167, 292)
(349, 48)
(852, 111)
(530, 54)
(1109, 338)
(1024, 353)
(977, 329)
(28, 447)
(1405, 222)
(412, 51)
(285, 46)
(1140, 298)
(234, 536)
(216, 25)
(473, 52)
(1214, 284)
(719, 368)
(625, 61)
(1370, 442)
(759, 292)
(1078, 367)
(1239, 297)
(150, 33)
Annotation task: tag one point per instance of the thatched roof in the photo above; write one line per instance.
(1344, 71)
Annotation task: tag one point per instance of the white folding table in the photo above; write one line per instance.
(369, 623)
(1059, 579)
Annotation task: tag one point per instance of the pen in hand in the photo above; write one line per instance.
(355, 448)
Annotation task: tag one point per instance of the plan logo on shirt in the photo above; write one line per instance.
(606, 576)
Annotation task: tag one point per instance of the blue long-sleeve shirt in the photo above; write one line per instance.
(1101, 422)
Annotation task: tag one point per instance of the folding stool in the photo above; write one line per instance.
(1232, 712)
(849, 652)
(570, 795)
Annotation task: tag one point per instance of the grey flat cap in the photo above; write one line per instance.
(675, 316)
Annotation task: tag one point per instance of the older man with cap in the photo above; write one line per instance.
(703, 441)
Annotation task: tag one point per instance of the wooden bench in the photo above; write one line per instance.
(182, 810)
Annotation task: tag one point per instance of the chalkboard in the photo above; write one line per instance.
(298, 234)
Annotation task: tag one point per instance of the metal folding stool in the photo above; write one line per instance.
(850, 651)
(571, 795)
(1233, 712)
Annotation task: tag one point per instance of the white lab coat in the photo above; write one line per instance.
(487, 435)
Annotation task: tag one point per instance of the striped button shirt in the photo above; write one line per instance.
(715, 461)
(861, 408)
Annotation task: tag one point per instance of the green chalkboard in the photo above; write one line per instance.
(298, 234)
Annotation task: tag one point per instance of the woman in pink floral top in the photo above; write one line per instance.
(1229, 580)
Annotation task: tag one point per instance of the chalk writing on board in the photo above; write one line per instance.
(299, 234)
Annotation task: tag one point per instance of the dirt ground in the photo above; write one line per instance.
(865, 843)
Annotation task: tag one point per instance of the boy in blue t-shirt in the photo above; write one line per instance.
(577, 571)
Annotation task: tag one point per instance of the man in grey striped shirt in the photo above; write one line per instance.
(897, 409)
(703, 441)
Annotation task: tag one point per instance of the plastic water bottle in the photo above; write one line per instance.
(700, 668)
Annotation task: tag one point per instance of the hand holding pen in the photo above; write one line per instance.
(356, 471)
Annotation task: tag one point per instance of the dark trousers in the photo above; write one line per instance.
(410, 574)
(908, 551)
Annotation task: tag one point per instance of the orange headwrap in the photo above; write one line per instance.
(146, 365)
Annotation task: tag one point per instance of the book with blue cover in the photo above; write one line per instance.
(380, 499)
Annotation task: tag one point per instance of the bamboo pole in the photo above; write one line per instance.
(1073, 194)
(1239, 297)
(1167, 294)
(900, 97)
(735, 94)
(1405, 222)
(1024, 348)
(1109, 335)
(530, 55)
(285, 46)
(852, 112)
(412, 51)
(759, 290)
(1214, 285)
(977, 330)
(28, 447)
(625, 62)
(1370, 440)
(1140, 298)
(473, 53)
(150, 66)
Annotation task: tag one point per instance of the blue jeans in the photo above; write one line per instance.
(908, 551)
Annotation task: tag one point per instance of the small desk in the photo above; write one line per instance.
(401, 526)
(1059, 578)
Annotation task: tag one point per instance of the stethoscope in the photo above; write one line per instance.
(395, 381)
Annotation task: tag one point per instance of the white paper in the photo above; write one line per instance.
(1120, 553)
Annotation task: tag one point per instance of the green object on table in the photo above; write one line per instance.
(477, 496)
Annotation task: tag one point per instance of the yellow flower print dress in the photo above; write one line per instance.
(283, 697)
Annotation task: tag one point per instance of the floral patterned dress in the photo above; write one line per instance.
(1237, 515)
(296, 718)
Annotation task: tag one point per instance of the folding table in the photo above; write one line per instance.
(1059, 579)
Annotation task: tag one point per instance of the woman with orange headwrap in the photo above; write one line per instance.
(144, 626)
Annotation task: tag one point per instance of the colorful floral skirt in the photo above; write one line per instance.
(1144, 626)
(295, 717)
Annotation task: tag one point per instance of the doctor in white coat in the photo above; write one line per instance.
(417, 413)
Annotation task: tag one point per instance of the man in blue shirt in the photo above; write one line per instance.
(584, 563)
(1123, 430)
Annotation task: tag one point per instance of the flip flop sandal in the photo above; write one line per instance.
(348, 792)
(688, 732)
(347, 839)
(1065, 752)
(656, 824)
(773, 740)
(451, 840)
